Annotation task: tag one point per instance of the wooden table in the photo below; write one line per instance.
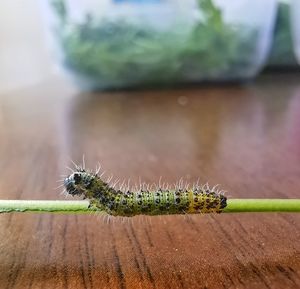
(246, 138)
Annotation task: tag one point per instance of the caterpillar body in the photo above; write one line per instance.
(102, 196)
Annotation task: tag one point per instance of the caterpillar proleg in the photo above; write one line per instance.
(144, 201)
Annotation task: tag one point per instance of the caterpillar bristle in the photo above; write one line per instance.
(122, 199)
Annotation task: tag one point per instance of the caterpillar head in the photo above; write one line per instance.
(78, 182)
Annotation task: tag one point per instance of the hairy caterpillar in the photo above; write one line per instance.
(116, 202)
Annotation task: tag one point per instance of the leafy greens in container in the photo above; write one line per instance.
(104, 53)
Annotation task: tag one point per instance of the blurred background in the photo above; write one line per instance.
(112, 44)
(24, 56)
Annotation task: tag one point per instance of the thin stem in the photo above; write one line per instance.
(262, 205)
(37, 206)
(80, 207)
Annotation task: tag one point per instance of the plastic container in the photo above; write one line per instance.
(282, 55)
(295, 16)
(112, 44)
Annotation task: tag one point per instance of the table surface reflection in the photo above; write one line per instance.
(245, 138)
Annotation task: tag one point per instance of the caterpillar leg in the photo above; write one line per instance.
(94, 205)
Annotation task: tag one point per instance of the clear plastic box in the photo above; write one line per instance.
(112, 44)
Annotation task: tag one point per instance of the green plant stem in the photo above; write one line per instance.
(262, 205)
(45, 206)
(81, 207)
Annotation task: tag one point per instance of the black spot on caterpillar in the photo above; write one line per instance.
(160, 201)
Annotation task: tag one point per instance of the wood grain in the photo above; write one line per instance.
(246, 138)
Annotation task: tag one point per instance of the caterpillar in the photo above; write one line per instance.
(160, 201)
